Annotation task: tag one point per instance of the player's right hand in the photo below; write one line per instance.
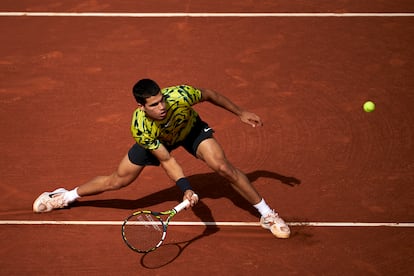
(192, 197)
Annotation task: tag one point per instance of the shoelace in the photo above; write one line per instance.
(56, 201)
(273, 217)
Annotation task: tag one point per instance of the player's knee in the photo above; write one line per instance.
(117, 182)
(226, 170)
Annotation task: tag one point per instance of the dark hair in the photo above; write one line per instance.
(144, 89)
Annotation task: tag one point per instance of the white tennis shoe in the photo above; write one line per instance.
(48, 201)
(276, 225)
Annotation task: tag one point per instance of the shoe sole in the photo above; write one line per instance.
(38, 202)
(279, 234)
(265, 226)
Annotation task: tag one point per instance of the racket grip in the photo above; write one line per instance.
(183, 205)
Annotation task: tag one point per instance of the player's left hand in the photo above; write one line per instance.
(251, 119)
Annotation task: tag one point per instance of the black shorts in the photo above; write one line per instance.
(200, 132)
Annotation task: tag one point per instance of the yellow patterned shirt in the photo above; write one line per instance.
(175, 126)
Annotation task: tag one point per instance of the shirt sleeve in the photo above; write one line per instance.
(142, 133)
(191, 94)
(147, 142)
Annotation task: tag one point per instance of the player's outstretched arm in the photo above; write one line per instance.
(175, 172)
(222, 101)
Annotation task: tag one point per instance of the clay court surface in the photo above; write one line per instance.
(66, 107)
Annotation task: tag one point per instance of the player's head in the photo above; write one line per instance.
(149, 98)
(144, 89)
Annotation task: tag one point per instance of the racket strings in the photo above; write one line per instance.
(143, 232)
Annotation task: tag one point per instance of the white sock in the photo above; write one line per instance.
(263, 208)
(72, 195)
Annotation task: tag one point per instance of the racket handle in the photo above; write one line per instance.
(183, 204)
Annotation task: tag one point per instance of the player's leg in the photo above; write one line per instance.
(211, 152)
(124, 175)
(128, 170)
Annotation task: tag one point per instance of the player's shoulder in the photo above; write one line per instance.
(182, 88)
(182, 93)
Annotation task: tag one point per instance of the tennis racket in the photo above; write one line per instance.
(144, 230)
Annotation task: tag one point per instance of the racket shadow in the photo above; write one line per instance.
(171, 251)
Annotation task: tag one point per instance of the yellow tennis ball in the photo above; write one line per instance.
(369, 106)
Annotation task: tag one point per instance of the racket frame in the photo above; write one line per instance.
(171, 213)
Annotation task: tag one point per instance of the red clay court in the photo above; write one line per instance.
(341, 177)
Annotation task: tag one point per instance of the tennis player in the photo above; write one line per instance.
(163, 121)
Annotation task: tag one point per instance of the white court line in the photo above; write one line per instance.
(195, 14)
(215, 223)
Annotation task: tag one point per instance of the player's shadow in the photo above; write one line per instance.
(208, 185)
